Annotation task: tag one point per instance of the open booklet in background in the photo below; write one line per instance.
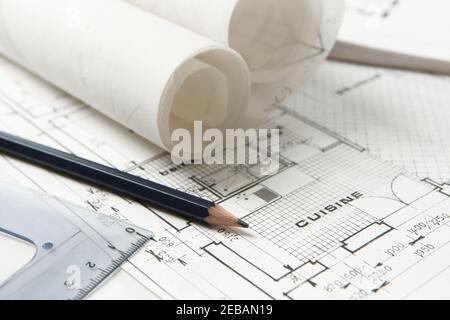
(409, 34)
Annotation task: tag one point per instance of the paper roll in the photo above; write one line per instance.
(144, 72)
(282, 41)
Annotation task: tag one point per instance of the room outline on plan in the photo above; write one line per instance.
(336, 222)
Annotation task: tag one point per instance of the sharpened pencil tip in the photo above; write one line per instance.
(243, 224)
(219, 216)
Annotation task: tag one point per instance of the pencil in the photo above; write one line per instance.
(146, 191)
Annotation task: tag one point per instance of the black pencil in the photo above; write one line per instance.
(184, 204)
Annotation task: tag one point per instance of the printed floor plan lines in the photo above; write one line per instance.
(400, 116)
(343, 219)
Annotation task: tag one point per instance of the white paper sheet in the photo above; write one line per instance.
(130, 65)
(346, 254)
(283, 41)
(410, 34)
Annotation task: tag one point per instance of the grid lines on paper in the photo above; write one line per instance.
(339, 173)
(401, 116)
(163, 171)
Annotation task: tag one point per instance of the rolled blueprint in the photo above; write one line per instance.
(282, 41)
(148, 74)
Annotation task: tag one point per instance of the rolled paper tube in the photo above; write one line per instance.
(279, 39)
(146, 73)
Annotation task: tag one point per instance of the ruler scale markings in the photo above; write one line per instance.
(84, 245)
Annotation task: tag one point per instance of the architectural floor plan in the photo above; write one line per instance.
(348, 216)
(400, 116)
